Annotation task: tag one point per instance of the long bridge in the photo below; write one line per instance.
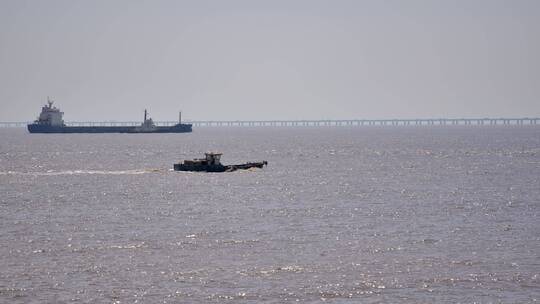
(315, 123)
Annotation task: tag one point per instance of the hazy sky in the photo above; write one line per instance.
(293, 59)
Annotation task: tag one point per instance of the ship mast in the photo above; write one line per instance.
(145, 113)
(180, 117)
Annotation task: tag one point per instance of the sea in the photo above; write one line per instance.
(419, 214)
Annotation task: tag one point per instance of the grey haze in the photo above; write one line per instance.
(108, 60)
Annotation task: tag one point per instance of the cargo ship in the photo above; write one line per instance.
(51, 121)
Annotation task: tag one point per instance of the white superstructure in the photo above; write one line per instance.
(147, 125)
(50, 115)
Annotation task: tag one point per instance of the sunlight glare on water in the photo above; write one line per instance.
(344, 215)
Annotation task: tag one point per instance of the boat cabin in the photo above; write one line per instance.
(213, 159)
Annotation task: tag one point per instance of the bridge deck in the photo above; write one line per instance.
(313, 123)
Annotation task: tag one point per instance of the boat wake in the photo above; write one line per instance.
(82, 172)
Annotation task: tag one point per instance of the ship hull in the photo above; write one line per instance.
(217, 168)
(38, 128)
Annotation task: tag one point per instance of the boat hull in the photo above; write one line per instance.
(39, 128)
(217, 168)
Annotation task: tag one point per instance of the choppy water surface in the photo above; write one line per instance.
(370, 215)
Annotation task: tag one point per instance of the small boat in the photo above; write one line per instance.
(212, 163)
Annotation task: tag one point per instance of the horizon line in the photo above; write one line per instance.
(312, 123)
(299, 120)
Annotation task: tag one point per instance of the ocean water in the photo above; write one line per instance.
(340, 215)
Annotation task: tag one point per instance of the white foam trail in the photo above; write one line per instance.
(82, 172)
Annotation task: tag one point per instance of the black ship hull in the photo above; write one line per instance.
(40, 128)
(218, 168)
